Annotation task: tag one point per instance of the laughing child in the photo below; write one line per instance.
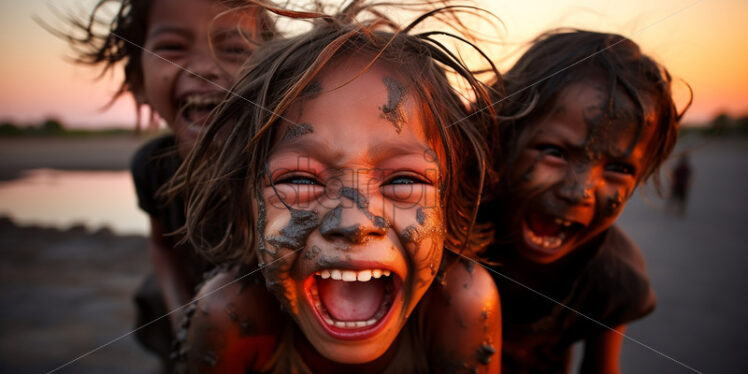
(588, 118)
(179, 59)
(339, 179)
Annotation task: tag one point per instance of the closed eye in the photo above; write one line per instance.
(299, 179)
(407, 179)
(621, 168)
(551, 150)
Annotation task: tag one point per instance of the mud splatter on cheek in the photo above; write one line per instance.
(276, 253)
(614, 204)
(424, 252)
(393, 110)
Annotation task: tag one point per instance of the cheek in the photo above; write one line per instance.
(612, 200)
(423, 241)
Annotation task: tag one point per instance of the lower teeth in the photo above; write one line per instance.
(547, 242)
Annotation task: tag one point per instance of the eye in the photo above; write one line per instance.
(299, 180)
(169, 46)
(621, 168)
(551, 150)
(407, 179)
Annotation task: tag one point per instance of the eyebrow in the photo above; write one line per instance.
(223, 33)
(168, 30)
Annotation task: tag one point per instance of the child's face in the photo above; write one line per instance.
(575, 174)
(190, 34)
(363, 239)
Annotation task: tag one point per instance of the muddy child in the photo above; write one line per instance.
(179, 59)
(587, 118)
(335, 194)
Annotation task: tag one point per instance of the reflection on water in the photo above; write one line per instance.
(64, 198)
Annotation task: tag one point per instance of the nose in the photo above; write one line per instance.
(578, 187)
(204, 66)
(351, 224)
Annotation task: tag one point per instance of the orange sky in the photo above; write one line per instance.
(702, 42)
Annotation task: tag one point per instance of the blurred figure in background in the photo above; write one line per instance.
(680, 185)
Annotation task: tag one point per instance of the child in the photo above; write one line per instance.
(180, 57)
(339, 177)
(588, 117)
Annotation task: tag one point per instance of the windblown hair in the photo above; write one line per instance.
(221, 183)
(560, 57)
(123, 37)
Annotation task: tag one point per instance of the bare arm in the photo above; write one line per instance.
(234, 328)
(168, 265)
(465, 315)
(601, 352)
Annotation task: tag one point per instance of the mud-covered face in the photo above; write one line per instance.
(576, 172)
(208, 40)
(361, 238)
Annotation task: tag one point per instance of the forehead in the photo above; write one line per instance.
(186, 14)
(583, 114)
(357, 109)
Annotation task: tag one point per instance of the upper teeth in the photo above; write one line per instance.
(202, 99)
(563, 222)
(352, 275)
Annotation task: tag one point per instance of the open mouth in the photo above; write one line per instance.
(352, 304)
(547, 232)
(195, 109)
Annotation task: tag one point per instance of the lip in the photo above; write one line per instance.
(180, 102)
(362, 332)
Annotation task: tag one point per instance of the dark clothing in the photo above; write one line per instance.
(152, 167)
(611, 287)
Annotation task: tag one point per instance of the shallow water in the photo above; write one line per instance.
(62, 199)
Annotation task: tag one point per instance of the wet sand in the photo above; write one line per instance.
(64, 293)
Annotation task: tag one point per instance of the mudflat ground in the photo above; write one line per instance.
(65, 293)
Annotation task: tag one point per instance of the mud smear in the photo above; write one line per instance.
(357, 198)
(363, 204)
(297, 130)
(420, 216)
(485, 352)
(209, 359)
(312, 253)
(232, 313)
(394, 111)
(469, 265)
(294, 235)
(328, 261)
(614, 204)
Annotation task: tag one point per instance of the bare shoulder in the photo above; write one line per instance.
(464, 319)
(234, 326)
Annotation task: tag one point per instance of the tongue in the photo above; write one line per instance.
(351, 301)
(543, 225)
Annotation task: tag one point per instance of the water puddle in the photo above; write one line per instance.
(61, 199)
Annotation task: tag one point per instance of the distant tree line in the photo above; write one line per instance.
(54, 127)
(721, 125)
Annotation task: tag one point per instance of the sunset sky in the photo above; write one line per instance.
(704, 43)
